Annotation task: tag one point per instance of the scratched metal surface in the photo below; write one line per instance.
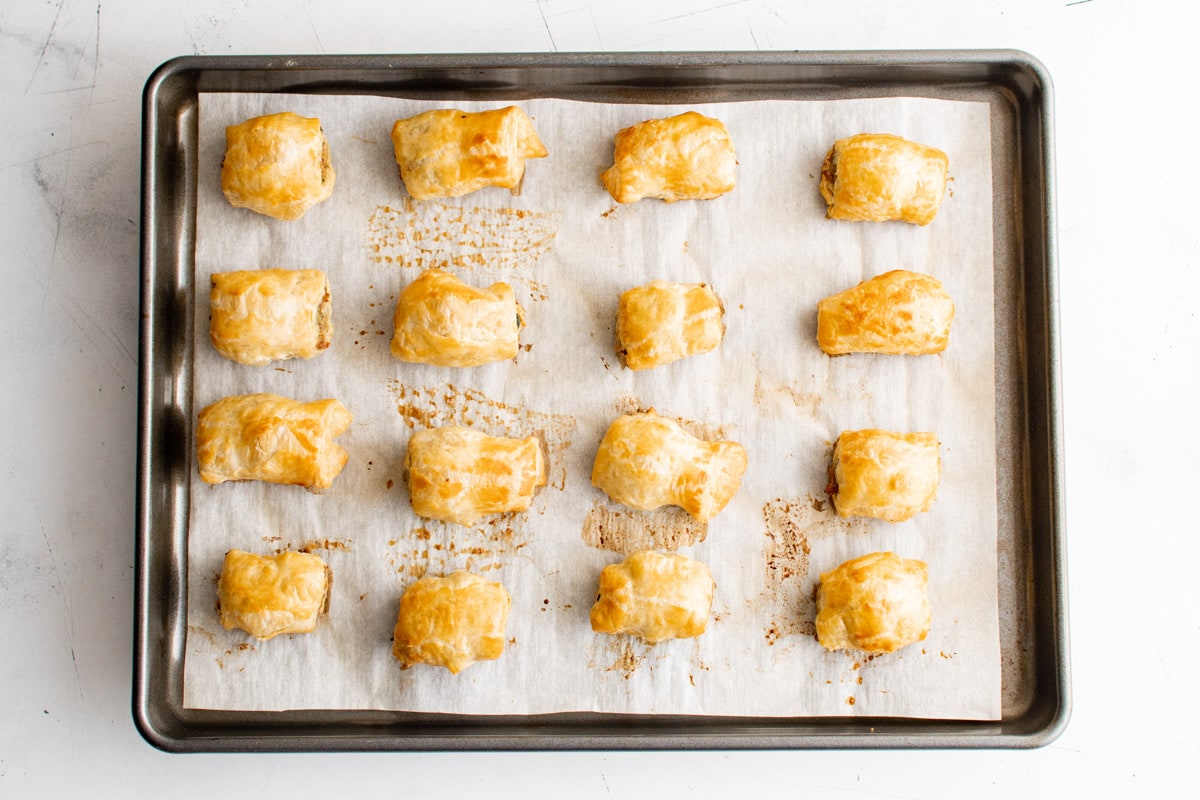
(1031, 539)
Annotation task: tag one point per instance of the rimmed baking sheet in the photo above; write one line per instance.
(1033, 635)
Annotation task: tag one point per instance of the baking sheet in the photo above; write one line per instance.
(569, 251)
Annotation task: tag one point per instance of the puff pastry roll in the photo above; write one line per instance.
(441, 320)
(686, 157)
(876, 177)
(663, 322)
(654, 596)
(877, 603)
(448, 153)
(899, 312)
(457, 474)
(260, 316)
(646, 461)
(277, 165)
(451, 622)
(884, 475)
(269, 595)
(265, 437)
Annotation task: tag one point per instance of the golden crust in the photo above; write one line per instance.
(277, 165)
(457, 474)
(654, 596)
(685, 157)
(265, 437)
(260, 316)
(876, 177)
(269, 595)
(663, 322)
(877, 603)
(885, 475)
(448, 153)
(898, 312)
(441, 320)
(645, 461)
(451, 622)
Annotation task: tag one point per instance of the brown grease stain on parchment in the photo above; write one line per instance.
(496, 242)
(626, 530)
(628, 654)
(790, 525)
(771, 390)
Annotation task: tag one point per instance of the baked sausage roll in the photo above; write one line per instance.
(260, 316)
(876, 177)
(265, 437)
(457, 474)
(877, 603)
(654, 596)
(448, 153)
(899, 312)
(663, 322)
(686, 157)
(277, 165)
(269, 595)
(646, 461)
(441, 320)
(451, 622)
(884, 475)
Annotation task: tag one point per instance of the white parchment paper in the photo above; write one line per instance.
(569, 250)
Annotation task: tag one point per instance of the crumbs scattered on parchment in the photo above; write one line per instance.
(326, 544)
(506, 243)
(442, 548)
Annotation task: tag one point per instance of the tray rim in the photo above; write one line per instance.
(1018, 73)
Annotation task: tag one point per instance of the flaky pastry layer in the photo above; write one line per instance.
(277, 165)
(451, 621)
(448, 153)
(654, 596)
(877, 603)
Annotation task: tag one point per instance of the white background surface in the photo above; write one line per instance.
(71, 75)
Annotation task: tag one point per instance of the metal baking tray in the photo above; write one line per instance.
(1031, 536)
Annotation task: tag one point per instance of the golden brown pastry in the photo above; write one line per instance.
(441, 320)
(265, 315)
(277, 165)
(654, 596)
(884, 475)
(457, 474)
(686, 157)
(663, 322)
(646, 461)
(269, 595)
(448, 153)
(876, 177)
(451, 622)
(265, 437)
(877, 603)
(899, 312)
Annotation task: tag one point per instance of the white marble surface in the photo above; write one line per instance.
(71, 75)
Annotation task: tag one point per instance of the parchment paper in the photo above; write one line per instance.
(569, 250)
